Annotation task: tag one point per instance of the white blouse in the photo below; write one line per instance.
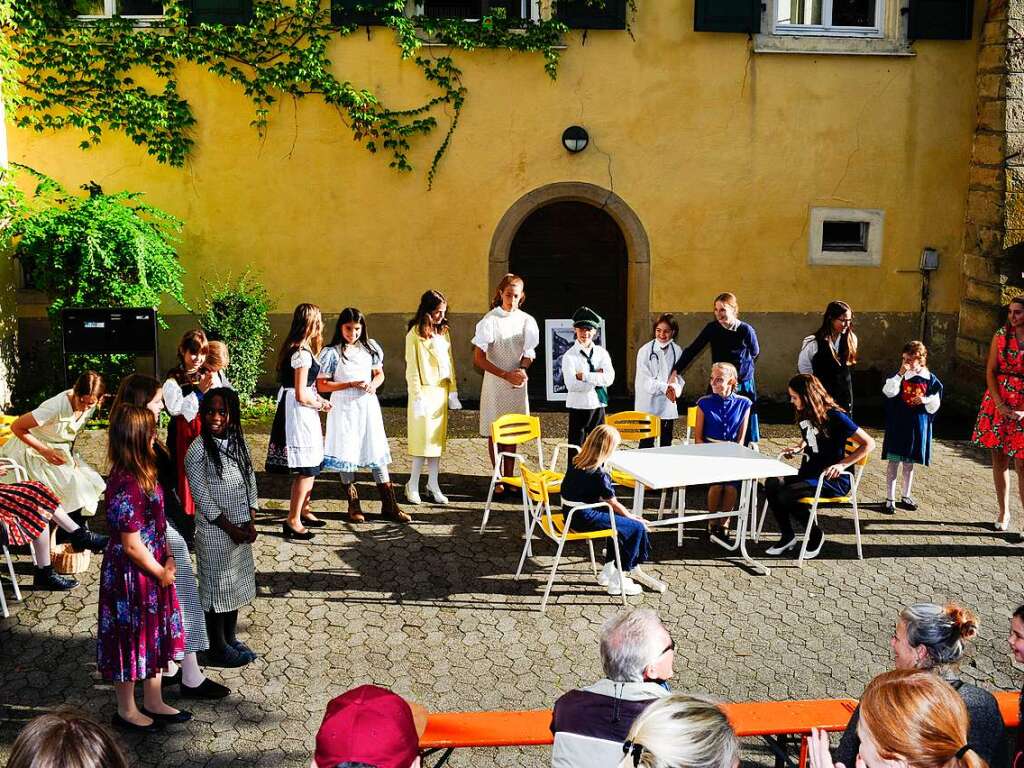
(486, 330)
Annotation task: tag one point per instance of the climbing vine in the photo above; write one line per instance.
(110, 74)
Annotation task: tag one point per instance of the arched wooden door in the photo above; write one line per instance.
(573, 253)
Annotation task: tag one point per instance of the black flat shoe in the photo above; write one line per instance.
(313, 523)
(181, 716)
(291, 533)
(167, 681)
(48, 579)
(241, 647)
(129, 727)
(229, 658)
(82, 539)
(205, 690)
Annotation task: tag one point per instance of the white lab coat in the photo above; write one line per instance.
(654, 365)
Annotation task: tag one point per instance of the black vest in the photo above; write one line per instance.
(834, 374)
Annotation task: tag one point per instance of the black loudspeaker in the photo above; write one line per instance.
(109, 331)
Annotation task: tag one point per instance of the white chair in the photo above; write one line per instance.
(19, 475)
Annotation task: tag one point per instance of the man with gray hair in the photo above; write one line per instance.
(591, 723)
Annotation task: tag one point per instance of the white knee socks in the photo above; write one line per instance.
(890, 478)
(191, 673)
(64, 521)
(415, 472)
(433, 467)
(908, 478)
(41, 548)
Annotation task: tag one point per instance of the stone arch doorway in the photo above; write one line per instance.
(575, 244)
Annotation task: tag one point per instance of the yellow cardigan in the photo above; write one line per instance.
(422, 368)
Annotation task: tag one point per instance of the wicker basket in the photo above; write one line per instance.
(67, 561)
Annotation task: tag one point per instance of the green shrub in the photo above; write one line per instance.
(235, 312)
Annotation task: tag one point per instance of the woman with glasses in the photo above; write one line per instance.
(830, 352)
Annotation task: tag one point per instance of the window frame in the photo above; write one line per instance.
(110, 10)
(829, 30)
(529, 9)
(871, 256)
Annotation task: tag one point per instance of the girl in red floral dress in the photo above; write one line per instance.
(1000, 425)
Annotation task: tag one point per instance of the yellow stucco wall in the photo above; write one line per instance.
(721, 152)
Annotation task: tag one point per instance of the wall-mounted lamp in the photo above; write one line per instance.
(575, 139)
(929, 260)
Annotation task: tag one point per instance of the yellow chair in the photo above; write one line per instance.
(556, 526)
(691, 423)
(5, 428)
(633, 426)
(518, 429)
(817, 501)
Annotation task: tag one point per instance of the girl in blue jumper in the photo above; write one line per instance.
(912, 399)
(588, 482)
(732, 341)
(722, 417)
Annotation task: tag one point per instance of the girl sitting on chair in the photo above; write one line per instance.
(825, 428)
(588, 482)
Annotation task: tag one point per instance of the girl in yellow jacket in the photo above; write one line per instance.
(430, 373)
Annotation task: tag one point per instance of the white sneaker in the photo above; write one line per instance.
(604, 578)
(412, 495)
(647, 580)
(623, 582)
(782, 547)
(439, 498)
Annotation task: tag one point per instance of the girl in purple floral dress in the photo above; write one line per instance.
(140, 627)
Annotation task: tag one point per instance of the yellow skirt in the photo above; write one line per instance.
(428, 435)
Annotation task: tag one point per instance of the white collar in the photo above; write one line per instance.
(502, 312)
(732, 326)
(579, 347)
(924, 373)
(659, 347)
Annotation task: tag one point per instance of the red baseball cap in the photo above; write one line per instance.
(370, 725)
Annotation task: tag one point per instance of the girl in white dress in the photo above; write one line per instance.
(504, 346)
(296, 442)
(45, 438)
(351, 369)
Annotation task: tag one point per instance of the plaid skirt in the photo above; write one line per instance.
(25, 510)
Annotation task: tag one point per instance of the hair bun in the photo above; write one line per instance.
(964, 620)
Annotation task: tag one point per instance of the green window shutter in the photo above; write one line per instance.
(577, 14)
(727, 16)
(230, 12)
(344, 12)
(941, 19)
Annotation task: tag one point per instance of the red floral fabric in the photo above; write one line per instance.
(992, 429)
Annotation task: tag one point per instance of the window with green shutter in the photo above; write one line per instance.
(345, 12)
(220, 12)
(941, 19)
(578, 14)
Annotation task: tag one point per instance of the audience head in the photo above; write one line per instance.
(666, 328)
(915, 355)
(838, 319)
(130, 440)
(1015, 312)
(727, 309)
(370, 726)
(217, 358)
(306, 332)
(932, 636)
(1016, 638)
(915, 719)
(724, 378)
(431, 313)
(636, 647)
(599, 445)
(681, 731)
(809, 399)
(88, 389)
(192, 350)
(510, 293)
(140, 389)
(65, 740)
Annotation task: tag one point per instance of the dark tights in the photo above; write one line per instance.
(221, 629)
(783, 495)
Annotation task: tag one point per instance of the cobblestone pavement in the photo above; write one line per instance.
(432, 610)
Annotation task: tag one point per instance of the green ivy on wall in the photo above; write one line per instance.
(98, 75)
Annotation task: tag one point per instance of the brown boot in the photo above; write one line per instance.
(389, 506)
(355, 512)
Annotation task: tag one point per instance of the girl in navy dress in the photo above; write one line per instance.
(732, 341)
(588, 482)
(722, 417)
(825, 428)
(913, 395)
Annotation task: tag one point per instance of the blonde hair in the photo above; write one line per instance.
(916, 716)
(217, 358)
(681, 731)
(507, 280)
(729, 299)
(730, 373)
(598, 446)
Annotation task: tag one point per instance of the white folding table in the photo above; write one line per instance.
(678, 466)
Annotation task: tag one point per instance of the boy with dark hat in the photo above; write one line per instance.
(587, 372)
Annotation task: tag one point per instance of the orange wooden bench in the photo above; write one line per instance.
(777, 722)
